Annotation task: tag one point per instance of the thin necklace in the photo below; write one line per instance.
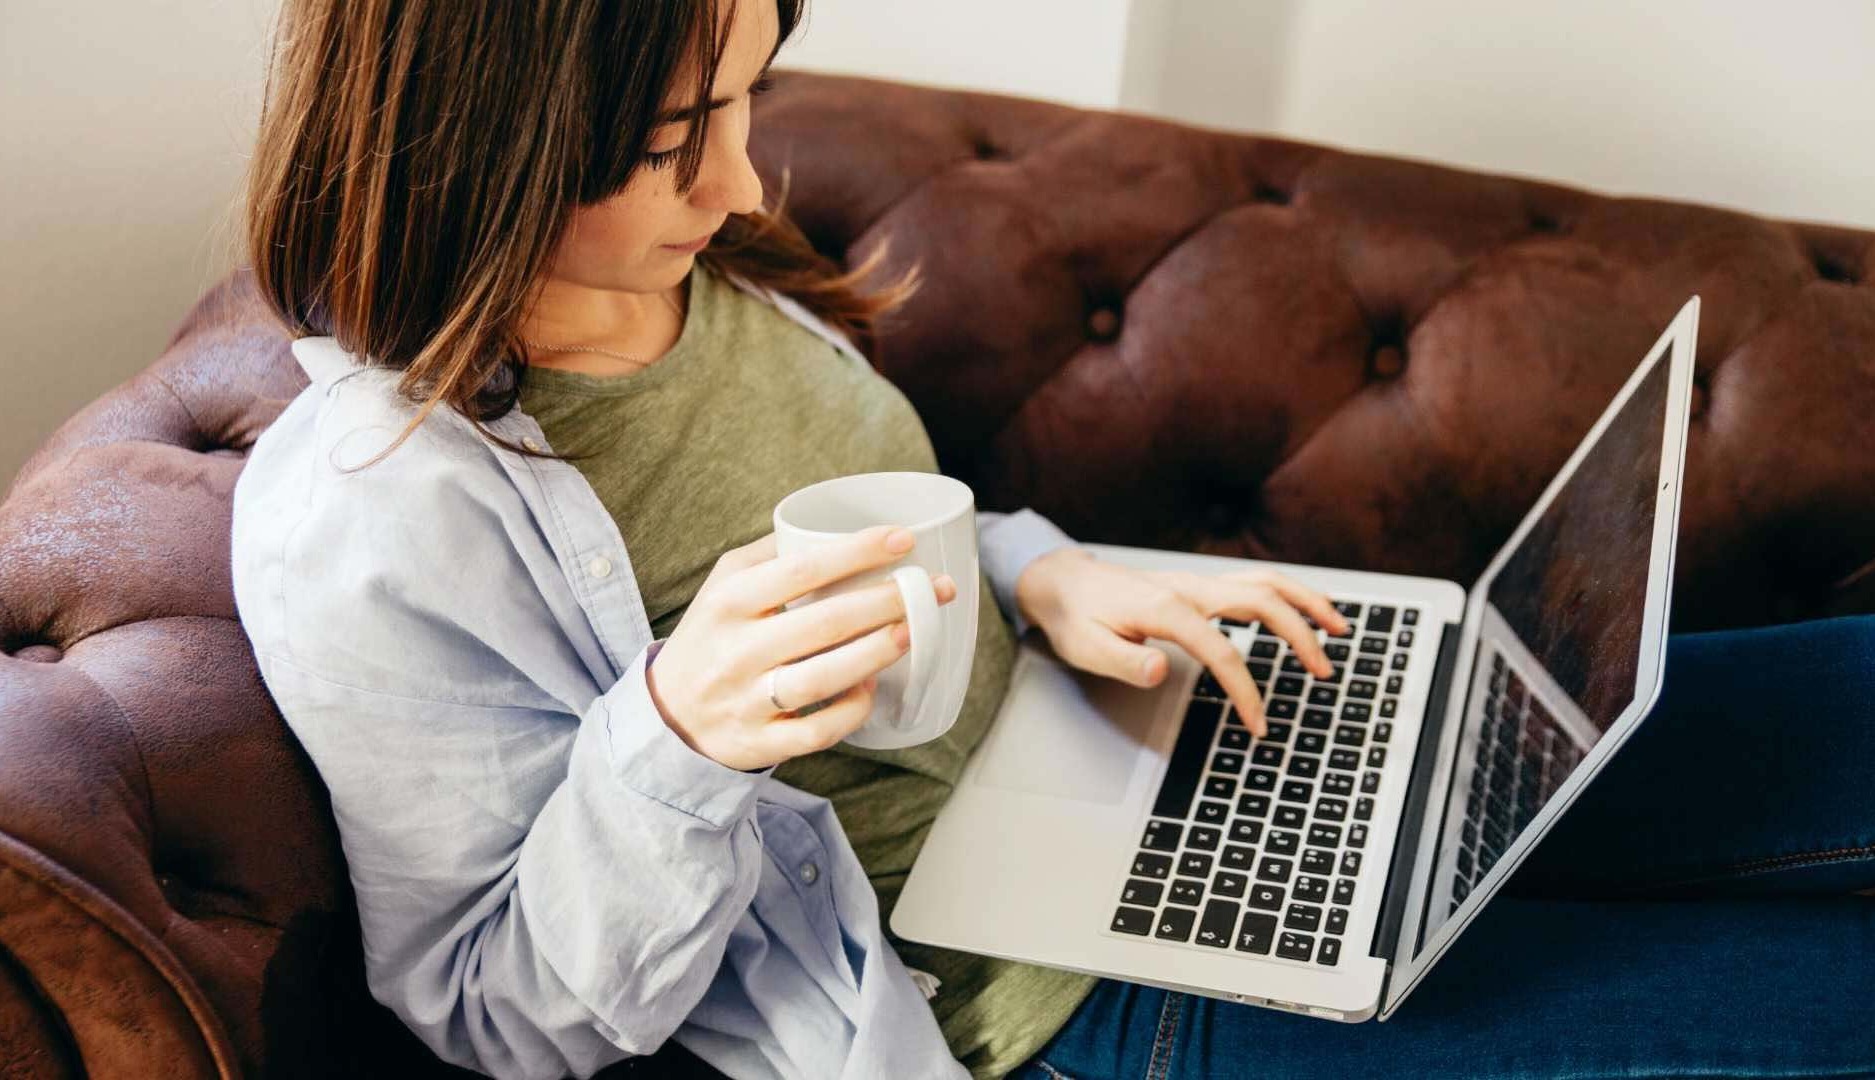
(640, 361)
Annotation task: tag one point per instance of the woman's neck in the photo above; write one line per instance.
(644, 325)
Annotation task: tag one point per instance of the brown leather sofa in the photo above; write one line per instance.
(1154, 334)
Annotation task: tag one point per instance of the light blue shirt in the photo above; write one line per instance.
(548, 878)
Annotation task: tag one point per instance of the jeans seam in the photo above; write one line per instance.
(1767, 864)
(1053, 1073)
(1161, 1063)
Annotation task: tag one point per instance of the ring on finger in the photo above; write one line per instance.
(773, 697)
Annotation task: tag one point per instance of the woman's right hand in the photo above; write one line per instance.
(710, 679)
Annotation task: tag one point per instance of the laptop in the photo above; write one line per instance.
(1147, 835)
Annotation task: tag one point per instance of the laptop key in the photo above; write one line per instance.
(1246, 832)
(1311, 742)
(1331, 952)
(1278, 732)
(1203, 837)
(1370, 782)
(1374, 646)
(1211, 813)
(1357, 836)
(1274, 869)
(1337, 651)
(1364, 689)
(1229, 884)
(1398, 663)
(1368, 666)
(1389, 707)
(1292, 946)
(1131, 920)
(1304, 766)
(1379, 619)
(1219, 787)
(1148, 865)
(1338, 920)
(1257, 933)
(1350, 862)
(1281, 843)
(1190, 893)
(1143, 893)
(1161, 836)
(1263, 649)
(1175, 923)
(1227, 761)
(1323, 695)
(1328, 836)
(1237, 858)
(1187, 763)
(1314, 861)
(1234, 738)
(1265, 754)
(1194, 864)
(1317, 719)
(1409, 617)
(1332, 810)
(1220, 918)
(1344, 890)
(1356, 712)
(1255, 806)
(1383, 731)
(1348, 609)
(1338, 784)
(1260, 780)
(1312, 890)
(1303, 917)
(1364, 809)
(1299, 791)
(1280, 708)
(1267, 897)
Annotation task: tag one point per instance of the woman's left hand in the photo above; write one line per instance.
(1097, 615)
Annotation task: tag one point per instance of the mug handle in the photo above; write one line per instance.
(921, 615)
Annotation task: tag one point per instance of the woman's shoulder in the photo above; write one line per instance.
(794, 310)
(332, 509)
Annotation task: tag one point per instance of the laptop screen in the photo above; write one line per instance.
(1559, 648)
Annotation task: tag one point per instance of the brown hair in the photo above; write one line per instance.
(419, 160)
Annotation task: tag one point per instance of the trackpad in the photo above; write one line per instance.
(1069, 734)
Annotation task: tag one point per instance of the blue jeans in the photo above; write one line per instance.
(1692, 915)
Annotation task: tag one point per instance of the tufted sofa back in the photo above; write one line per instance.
(1152, 333)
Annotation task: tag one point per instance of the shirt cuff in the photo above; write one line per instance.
(1006, 544)
(651, 759)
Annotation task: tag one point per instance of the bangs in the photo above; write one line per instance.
(636, 50)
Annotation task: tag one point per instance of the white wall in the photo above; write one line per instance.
(123, 128)
(1071, 51)
(1761, 106)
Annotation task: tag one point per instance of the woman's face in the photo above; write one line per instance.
(621, 243)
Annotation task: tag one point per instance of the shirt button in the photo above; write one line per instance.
(599, 567)
(810, 873)
(530, 444)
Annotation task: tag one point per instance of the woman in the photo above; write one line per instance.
(507, 568)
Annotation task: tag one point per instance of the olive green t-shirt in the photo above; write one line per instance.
(691, 456)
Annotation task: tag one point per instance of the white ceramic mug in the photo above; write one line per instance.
(920, 693)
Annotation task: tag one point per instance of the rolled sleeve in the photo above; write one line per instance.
(651, 759)
(1006, 544)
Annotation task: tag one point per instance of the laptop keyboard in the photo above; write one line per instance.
(1523, 757)
(1257, 844)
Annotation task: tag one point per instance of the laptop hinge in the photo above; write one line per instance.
(1418, 792)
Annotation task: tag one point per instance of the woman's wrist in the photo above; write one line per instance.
(1036, 584)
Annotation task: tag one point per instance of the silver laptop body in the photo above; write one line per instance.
(1144, 835)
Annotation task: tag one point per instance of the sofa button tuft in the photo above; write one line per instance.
(1103, 324)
